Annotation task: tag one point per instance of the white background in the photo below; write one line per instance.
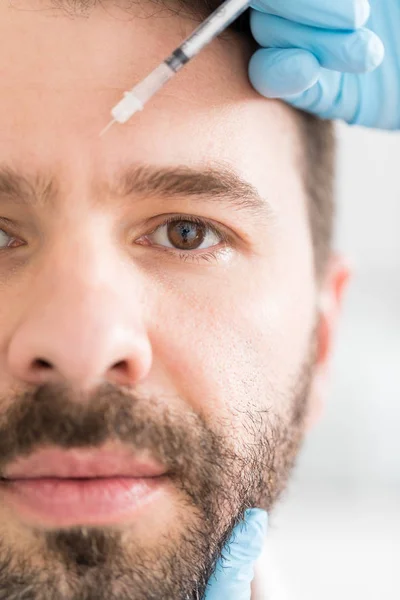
(336, 535)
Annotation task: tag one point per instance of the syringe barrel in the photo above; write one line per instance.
(152, 83)
(219, 20)
(215, 23)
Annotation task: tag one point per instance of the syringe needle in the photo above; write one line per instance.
(107, 127)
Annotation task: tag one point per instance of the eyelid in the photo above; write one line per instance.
(6, 223)
(8, 227)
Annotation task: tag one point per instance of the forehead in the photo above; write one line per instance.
(62, 75)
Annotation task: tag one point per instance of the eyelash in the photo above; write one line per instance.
(190, 254)
(182, 255)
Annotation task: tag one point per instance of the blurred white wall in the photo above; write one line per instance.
(358, 439)
(337, 532)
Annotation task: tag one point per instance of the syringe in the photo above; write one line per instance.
(136, 98)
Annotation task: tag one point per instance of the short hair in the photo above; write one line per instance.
(316, 135)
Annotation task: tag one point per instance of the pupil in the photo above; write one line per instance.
(185, 235)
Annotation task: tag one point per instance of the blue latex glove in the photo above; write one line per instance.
(235, 571)
(318, 56)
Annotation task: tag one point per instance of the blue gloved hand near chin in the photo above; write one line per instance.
(327, 57)
(235, 570)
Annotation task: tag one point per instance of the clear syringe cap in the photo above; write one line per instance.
(135, 100)
(127, 107)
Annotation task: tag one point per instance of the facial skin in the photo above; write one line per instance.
(212, 363)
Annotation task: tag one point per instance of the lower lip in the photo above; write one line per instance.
(66, 502)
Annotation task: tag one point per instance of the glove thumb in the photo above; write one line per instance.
(235, 570)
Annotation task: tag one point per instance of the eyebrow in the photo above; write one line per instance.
(208, 184)
(213, 183)
(33, 190)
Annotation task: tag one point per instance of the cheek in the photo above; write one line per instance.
(236, 341)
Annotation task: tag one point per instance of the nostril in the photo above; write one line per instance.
(40, 363)
(120, 365)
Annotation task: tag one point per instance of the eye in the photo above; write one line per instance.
(189, 233)
(6, 240)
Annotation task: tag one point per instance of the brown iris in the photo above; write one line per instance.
(185, 235)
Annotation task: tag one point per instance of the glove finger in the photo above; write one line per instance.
(329, 14)
(277, 73)
(353, 98)
(235, 570)
(334, 96)
(353, 52)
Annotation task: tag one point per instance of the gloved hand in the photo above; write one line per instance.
(235, 571)
(312, 59)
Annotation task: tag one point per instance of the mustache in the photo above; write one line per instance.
(53, 414)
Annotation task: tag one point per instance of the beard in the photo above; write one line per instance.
(217, 472)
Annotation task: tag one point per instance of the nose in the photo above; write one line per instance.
(82, 325)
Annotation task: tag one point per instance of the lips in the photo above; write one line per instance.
(84, 464)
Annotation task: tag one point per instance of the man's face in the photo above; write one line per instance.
(190, 343)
